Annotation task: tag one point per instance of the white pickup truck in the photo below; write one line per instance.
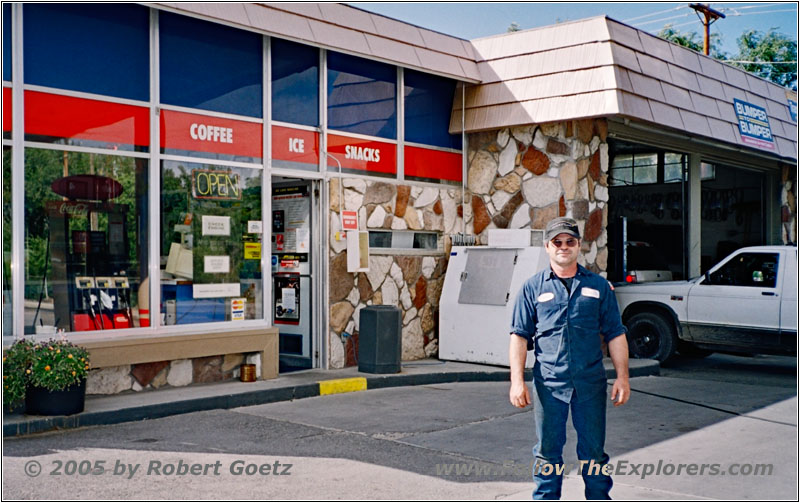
(745, 304)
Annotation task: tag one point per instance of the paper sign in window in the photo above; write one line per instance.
(217, 263)
(252, 251)
(214, 290)
(303, 240)
(254, 226)
(216, 226)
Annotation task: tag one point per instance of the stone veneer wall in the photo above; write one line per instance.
(789, 205)
(142, 376)
(518, 178)
(411, 282)
(522, 177)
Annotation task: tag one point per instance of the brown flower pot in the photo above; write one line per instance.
(42, 402)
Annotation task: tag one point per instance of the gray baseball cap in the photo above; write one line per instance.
(561, 225)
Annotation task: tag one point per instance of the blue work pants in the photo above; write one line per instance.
(589, 420)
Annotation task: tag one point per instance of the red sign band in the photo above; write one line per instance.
(58, 116)
(363, 155)
(295, 145)
(200, 133)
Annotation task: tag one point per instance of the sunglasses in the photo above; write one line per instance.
(571, 242)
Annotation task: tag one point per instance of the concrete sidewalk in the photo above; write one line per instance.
(124, 407)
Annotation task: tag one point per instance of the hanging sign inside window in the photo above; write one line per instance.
(753, 125)
(219, 185)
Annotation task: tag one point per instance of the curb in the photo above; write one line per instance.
(39, 424)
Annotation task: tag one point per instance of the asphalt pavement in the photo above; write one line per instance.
(710, 430)
(150, 404)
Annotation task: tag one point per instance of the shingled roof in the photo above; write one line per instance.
(596, 67)
(347, 29)
(599, 67)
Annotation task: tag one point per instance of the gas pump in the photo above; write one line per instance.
(89, 254)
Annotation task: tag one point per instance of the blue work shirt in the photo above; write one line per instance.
(563, 329)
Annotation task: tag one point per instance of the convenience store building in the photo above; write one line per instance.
(172, 188)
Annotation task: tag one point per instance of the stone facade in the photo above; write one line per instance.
(155, 375)
(413, 283)
(522, 177)
(518, 178)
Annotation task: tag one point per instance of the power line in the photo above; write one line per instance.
(762, 12)
(763, 62)
(653, 14)
(662, 20)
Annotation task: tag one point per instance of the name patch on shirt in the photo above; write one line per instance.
(590, 292)
(545, 297)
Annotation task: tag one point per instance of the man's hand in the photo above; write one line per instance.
(618, 350)
(519, 395)
(620, 391)
(517, 353)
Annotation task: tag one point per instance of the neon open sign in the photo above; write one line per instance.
(209, 184)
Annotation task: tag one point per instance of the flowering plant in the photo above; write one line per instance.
(53, 365)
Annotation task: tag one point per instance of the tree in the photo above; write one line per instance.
(772, 47)
(691, 40)
(514, 26)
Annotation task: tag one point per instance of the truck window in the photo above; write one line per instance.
(748, 269)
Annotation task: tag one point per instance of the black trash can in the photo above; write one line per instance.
(379, 340)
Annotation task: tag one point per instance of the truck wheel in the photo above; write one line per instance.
(651, 335)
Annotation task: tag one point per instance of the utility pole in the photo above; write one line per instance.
(709, 16)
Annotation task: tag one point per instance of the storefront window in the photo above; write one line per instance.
(674, 166)
(295, 83)
(428, 106)
(634, 169)
(210, 243)
(7, 42)
(85, 241)
(362, 96)
(210, 66)
(8, 318)
(94, 48)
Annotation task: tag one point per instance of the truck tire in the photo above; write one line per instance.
(651, 335)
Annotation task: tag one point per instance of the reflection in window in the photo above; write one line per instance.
(428, 105)
(85, 241)
(210, 260)
(210, 66)
(295, 83)
(404, 240)
(362, 96)
(634, 169)
(8, 317)
(7, 42)
(90, 47)
(674, 167)
(707, 171)
(748, 269)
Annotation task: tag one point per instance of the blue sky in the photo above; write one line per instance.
(474, 20)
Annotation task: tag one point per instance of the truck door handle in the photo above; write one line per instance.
(769, 294)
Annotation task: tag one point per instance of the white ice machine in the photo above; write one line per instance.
(478, 296)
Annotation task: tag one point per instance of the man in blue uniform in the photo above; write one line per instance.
(560, 314)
